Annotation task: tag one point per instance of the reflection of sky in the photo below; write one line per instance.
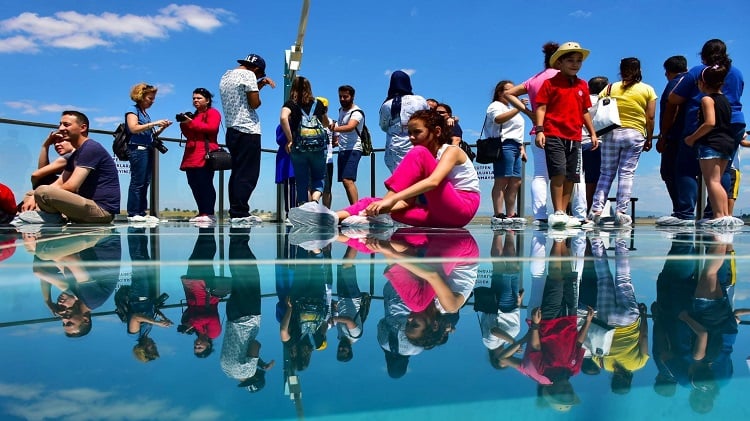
(48, 376)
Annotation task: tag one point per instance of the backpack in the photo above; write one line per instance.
(364, 136)
(310, 137)
(122, 302)
(120, 144)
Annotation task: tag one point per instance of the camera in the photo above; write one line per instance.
(184, 116)
(158, 144)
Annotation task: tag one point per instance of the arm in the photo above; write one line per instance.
(502, 118)
(284, 326)
(451, 157)
(347, 321)
(512, 97)
(701, 335)
(253, 99)
(650, 121)
(284, 121)
(535, 341)
(350, 125)
(665, 125)
(590, 127)
(44, 167)
(541, 111)
(73, 181)
(208, 125)
(134, 127)
(585, 328)
(709, 121)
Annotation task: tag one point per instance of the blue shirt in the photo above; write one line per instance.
(102, 184)
(144, 138)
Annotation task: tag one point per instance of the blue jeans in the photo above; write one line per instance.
(141, 165)
(309, 171)
(687, 172)
(201, 182)
(245, 150)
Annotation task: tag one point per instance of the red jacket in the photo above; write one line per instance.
(195, 131)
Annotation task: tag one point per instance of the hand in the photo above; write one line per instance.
(379, 207)
(266, 81)
(288, 147)
(647, 145)
(661, 144)
(536, 315)
(690, 141)
(525, 102)
(524, 158)
(29, 203)
(163, 123)
(594, 142)
(540, 140)
(589, 314)
(164, 323)
(53, 138)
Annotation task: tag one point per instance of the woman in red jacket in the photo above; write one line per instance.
(200, 129)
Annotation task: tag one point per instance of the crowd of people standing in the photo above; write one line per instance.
(701, 127)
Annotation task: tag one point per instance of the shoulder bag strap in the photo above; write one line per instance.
(363, 121)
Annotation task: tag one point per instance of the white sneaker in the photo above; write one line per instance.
(137, 218)
(203, 219)
(733, 221)
(558, 219)
(41, 217)
(312, 214)
(153, 219)
(623, 220)
(588, 224)
(368, 221)
(246, 220)
(673, 221)
(500, 219)
(573, 223)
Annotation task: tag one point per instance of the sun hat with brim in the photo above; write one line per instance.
(568, 47)
(560, 403)
(7, 200)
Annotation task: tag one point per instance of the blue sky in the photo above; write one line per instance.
(86, 55)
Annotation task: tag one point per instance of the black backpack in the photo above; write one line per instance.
(364, 136)
(120, 144)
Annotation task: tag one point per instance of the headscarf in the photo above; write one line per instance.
(400, 85)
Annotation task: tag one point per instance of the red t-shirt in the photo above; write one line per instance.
(560, 349)
(566, 102)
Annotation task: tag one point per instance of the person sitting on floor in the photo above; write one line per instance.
(88, 191)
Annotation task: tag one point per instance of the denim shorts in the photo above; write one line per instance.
(707, 152)
(510, 165)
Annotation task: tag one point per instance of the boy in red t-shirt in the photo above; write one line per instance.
(562, 108)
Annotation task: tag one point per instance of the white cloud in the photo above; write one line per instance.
(18, 44)
(74, 30)
(32, 107)
(105, 121)
(35, 403)
(580, 14)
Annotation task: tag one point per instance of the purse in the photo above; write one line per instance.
(604, 114)
(467, 149)
(218, 160)
(489, 150)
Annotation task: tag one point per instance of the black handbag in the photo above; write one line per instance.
(467, 149)
(218, 160)
(489, 150)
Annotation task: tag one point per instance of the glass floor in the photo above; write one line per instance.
(273, 323)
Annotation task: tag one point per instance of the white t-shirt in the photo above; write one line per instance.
(512, 129)
(233, 88)
(349, 141)
(461, 281)
(509, 323)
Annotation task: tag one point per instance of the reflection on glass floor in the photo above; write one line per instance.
(269, 322)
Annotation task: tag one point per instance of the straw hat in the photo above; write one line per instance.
(568, 47)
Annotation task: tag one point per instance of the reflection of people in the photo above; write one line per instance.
(554, 350)
(240, 351)
(433, 292)
(499, 304)
(351, 308)
(202, 314)
(435, 185)
(615, 301)
(304, 322)
(66, 265)
(143, 313)
(88, 191)
(391, 333)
